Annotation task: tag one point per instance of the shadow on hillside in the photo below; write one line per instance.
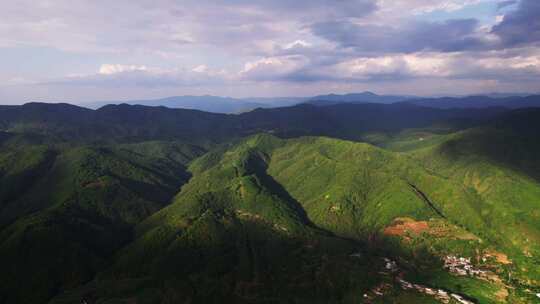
(16, 185)
(245, 262)
(237, 261)
(260, 167)
(518, 151)
(55, 250)
(4, 136)
(151, 192)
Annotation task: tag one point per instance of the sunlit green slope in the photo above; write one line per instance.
(499, 164)
(310, 219)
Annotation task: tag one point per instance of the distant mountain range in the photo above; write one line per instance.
(465, 102)
(513, 102)
(229, 105)
(208, 103)
(364, 97)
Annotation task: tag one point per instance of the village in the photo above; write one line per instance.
(461, 266)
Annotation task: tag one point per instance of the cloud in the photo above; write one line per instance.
(298, 44)
(397, 66)
(418, 7)
(201, 69)
(272, 68)
(128, 26)
(448, 36)
(307, 44)
(521, 26)
(506, 3)
(119, 75)
(173, 29)
(507, 66)
(302, 8)
(109, 69)
(498, 66)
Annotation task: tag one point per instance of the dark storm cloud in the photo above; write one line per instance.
(522, 26)
(448, 36)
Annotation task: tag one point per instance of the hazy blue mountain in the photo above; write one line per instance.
(364, 97)
(505, 95)
(229, 105)
(273, 102)
(207, 103)
(513, 102)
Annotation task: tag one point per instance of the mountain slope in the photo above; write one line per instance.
(500, 163)
(321, 203)
(125, 123)
(233, 234)
(68, 209)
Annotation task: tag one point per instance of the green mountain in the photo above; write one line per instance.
(126, 123)
(66, 210)
(338, 204)
(268, 210)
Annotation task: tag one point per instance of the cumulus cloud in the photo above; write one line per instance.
(273, 68)
(119, 75)
(397, 66)
(506, 66)
(109, 69)
(417, 73)
(491, 66)
(298, 44)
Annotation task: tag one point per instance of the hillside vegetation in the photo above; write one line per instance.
(65, 210)
(334, 204)
(268, 210)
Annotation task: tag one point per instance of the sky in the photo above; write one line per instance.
(90, 50)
